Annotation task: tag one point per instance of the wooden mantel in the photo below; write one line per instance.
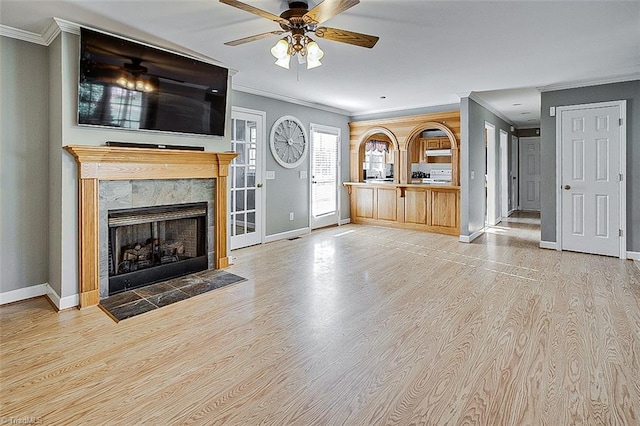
(96, 163)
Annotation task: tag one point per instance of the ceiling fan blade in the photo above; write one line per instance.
(255, 11)
(253, 38)
(327, 10)
(344, 36)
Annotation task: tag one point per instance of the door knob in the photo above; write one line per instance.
(567, 187)
(259, 185)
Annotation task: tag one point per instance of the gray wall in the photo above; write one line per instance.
(287, 192)
(24, 127)
(473, 158)
(607, 92)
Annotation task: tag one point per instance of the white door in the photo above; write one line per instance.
(530, 173)
(245, 175)
(325, 176)
(591, 165)
(513, 174)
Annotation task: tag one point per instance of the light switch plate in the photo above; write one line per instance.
(552, 111)
(270, 174)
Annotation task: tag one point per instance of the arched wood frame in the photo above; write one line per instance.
(356, 175)
(455, 148)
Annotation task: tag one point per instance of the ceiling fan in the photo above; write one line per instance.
(298, 20)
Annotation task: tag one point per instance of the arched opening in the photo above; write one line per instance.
(378, 156)
(432, 155)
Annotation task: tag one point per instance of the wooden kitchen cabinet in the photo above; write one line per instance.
(436, 143)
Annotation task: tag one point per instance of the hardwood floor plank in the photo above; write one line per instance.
(353, 325)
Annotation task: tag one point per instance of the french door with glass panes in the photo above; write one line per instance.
(246, 200)
(325, 176)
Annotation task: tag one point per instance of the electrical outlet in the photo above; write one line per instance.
(291, 216)
(473, 175)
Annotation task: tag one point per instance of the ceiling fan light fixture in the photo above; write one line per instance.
(284, 61)
(281, 49)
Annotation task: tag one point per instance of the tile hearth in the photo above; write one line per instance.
(144, 299)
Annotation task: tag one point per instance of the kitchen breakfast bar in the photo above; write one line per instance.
(427, 207)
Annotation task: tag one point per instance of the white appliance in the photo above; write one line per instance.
(441, 176)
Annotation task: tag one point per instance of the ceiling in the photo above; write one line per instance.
(430, 52)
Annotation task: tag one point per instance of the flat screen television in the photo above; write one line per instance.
(128, 85)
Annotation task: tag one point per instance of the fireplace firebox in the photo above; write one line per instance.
(152, 244)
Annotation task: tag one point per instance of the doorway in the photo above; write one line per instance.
(245, 176)
(491, 176)
(530, 173)
(504, 174)
(591, 195)
(325, 176)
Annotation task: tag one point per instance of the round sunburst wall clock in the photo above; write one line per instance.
(288, 141)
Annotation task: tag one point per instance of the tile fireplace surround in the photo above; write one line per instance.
(102, 163)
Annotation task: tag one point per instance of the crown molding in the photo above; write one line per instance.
(19, 34)
(288, 99)
(55, 27)
(491, 109)
(593, 82)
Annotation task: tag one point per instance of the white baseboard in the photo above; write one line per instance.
(284, 235)
(23, 293)
(39, 290)
(469, 238)
(551, 245)
(62, 302)
(344, 221)
(633, 255)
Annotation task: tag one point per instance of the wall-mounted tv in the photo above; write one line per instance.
(128, 85)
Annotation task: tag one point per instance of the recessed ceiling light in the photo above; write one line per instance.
(516, 104)
(526, 112)
(383, 97)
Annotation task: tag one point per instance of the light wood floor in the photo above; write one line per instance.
(354, 325)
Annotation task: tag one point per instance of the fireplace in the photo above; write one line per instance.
(153, 244)
(103, 165)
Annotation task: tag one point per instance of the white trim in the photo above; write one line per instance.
(330, 130)
(634, 255)
(22, 35)
(344, 221)
(492, 178)
(622, 187)
(62, 302)
(504, 173)
(23, 293)
(551, 245)
(38, 290)
(288, 234)
(586, 83)
(261, 173)
(288, 99)
(491, 109)
(469, 238)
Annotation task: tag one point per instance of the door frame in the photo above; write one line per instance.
(622, 184)
(328, 129)
(492, 215)
(504, 174)
(262, 153)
